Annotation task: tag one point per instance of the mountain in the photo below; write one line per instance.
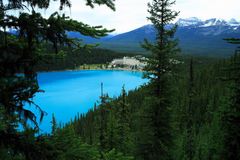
(201, 37)
(193, 21)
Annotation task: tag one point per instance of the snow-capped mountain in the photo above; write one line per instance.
(214, 22)
(195, 36)
(196, 22)
(233, 22)
(210, 27)
(193, 21)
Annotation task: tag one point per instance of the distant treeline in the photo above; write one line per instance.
(72, 59)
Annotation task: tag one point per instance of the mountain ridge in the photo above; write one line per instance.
(196, 36)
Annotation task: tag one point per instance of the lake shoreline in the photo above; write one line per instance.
(68, 93)
(93, 69)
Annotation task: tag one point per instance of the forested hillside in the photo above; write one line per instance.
(189, 110)
(73, 59)
(121, 128)
(124, 124)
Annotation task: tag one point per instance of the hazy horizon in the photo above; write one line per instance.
(131, 14)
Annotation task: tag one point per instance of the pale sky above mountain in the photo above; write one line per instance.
(131, 14)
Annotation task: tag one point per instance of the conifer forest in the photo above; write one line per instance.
(188, 110)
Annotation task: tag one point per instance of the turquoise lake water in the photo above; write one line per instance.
(68, 93)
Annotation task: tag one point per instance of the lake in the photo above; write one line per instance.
(68, 93)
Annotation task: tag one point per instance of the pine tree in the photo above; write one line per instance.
(112, 125)
(189, 116)
(123, 124)
(159, 70)
(90, 124)
(159, 64)
(54, 124)
(103, 123)
(70, 146)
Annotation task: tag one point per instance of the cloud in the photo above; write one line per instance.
(205, 9)
(131, 14)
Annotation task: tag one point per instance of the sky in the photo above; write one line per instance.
(131, 14)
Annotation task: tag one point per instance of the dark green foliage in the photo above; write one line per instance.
(159, 63)
(69, 146)
(190, 116)
(123, 126)
(231, 118)
(72, 60)
(199, 99)
(114, 155)
(103, 124)
(159, 71)
(200, 125)
(54, 124)
(109, 3)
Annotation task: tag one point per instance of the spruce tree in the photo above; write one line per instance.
(54, 124)
(189, 148)
(159, 70)
(103, 123)
(90, 126)
(123, 124)
(159, 65)
(112, 125)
